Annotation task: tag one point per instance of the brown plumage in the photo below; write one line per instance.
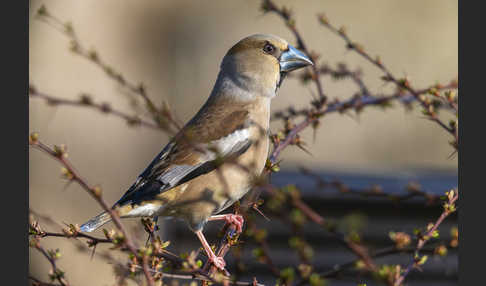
(191, 178)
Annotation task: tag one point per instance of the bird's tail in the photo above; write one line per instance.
(95, 222)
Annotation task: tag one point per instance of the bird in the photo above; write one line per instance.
(212, 161)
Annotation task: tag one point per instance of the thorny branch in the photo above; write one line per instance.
(260, 238)
(162, 116)
(59, 153)
(384, 101)
(413, 190)
(37, 282)
(449, 207)
(358, 249)
(72, 231)
(428, 107)
(51, 256)
(269, 6)
(203, 278)
(86, 100)
(376, 254)
(69, 232)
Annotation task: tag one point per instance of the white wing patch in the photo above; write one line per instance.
(228, 143)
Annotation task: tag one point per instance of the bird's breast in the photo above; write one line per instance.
(251, 163)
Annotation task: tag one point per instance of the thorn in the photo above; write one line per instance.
(452, 154)
(93, 252)
(313, 94)
(68, 183)
(148, 239)
(315, 125)
(426, 118)
(355, 118)
(303, 149)
(255, 207)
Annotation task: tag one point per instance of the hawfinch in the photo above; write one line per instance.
(192, 178)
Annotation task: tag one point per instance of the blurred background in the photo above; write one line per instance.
(175, 48)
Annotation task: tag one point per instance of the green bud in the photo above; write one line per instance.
(42, 11)
(422, 260)
(316, 280)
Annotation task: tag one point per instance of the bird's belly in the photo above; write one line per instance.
(240, 176)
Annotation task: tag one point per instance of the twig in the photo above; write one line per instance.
(56, 273)
(358, 249)
(413, 189)
(196, 275)
(449, 208)
(86, 101)
(37, 282)
(284, 13)
(429, 109)
(70, 232)
(264, 246)
(162, 116)
(401, 96)
(93, 240)
(376, 254)
(59, 154)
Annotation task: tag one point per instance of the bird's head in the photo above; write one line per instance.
(258, 63)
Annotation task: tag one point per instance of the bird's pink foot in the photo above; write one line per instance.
(236, 220)
(217, 261)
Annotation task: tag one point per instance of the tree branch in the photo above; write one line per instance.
(59, 154)
(86, 101)
(162, 116)
(429, 109)
(449, 207)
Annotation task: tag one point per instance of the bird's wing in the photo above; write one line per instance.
(193, 152)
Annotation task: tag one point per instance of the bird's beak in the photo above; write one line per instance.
(293, 59)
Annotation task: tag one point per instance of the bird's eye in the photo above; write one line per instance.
(268, 48)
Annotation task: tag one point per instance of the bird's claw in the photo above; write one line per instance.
(236, 220)
(218, 262)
